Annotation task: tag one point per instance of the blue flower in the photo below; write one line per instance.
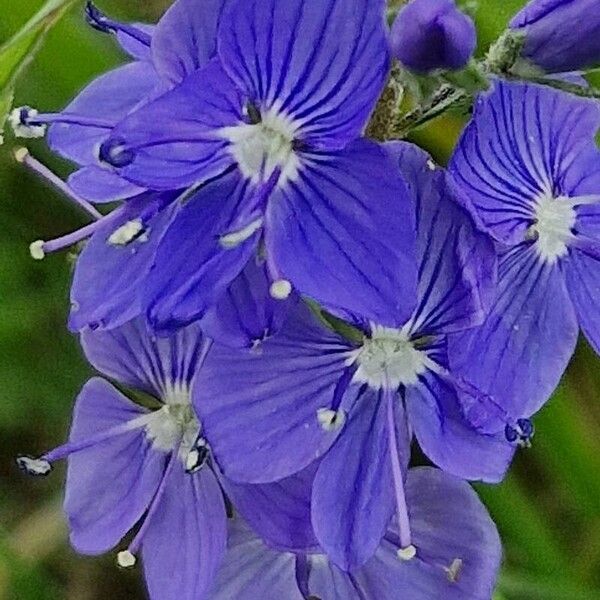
(457, 555)
(355, 400)
(433, 34)
(269, 129)
(149, 465)
(561, 35)
(528, 169)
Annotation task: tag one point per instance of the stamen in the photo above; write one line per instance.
(40, 248)
(521, 433)
(126, 560)
(281, 289)
(19, 120)
(331, 420)
(454, 570)
(235, 238)
(23, 156)
(127, 233)
(197, 457)
(407, 553)
(31, 119)
(37, 467)
(100, 22)
(115, 153)
(404, 528)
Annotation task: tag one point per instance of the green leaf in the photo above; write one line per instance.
(18, 52)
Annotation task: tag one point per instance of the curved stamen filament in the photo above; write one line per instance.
(407, 550)
(23, 156)
(101, 22)
(67, 119)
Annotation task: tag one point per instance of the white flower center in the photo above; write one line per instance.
(389, 359)
(172, 426)
(259, 149)
(552, 229)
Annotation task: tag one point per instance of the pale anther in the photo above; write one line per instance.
(331, 420)
(18, 121)
(127, 233)
(407, 553)
(235, 238)
(38, 467)
(453, 571)
(281, 289)
(21, 154)
(126, 559)
(36, 249)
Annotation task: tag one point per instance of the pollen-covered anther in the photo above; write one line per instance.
(22, 122)
(197, 457)
(331, 420)
(454, 570)
(281, 289)
(126, 560)
(407, 553)
(21, 154)
(127, 233)
(38, 467)
(36, 249)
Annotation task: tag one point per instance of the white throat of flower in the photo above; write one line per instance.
(553, 225)
(261, 148)
(175, 425)
(388, 359)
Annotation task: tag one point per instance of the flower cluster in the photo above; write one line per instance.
(279, 306)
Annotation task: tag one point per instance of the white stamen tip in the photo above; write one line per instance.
(36, 249)
(126, 559)
(431, 165)
(234, 239)
(331, 420)
(453, 571)
(126, 233)
(23, 130)
(191, 460)
(407, 553)
(38, 467)
(21, 154)
(281, 289)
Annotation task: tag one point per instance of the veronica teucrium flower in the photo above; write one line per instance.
(310, 392)
(457, 555)
(269, 129)
(149, 466)
(560, 35)
(183, 40)
(529, 169)
(433, 34)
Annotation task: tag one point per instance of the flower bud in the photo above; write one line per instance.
(561, 35)
(433, 34)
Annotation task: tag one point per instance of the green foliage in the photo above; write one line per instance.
(19, 51)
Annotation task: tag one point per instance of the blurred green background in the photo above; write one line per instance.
(548, 510)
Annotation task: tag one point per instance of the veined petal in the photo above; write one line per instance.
(322, 64)
(109, 98)
(259, 408)
(174, 141)
(186, 38)
(192, 267)
(279, 512)
(458, 547)
(447, 438)
(109, 485)
(253, 571)
(131, 355)
(519, 148)
(187, 537)
(344, 235)
(583, 279)
(98, 185)
(247, 314)
(109, 277)
(457, 263)
(521, 351)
